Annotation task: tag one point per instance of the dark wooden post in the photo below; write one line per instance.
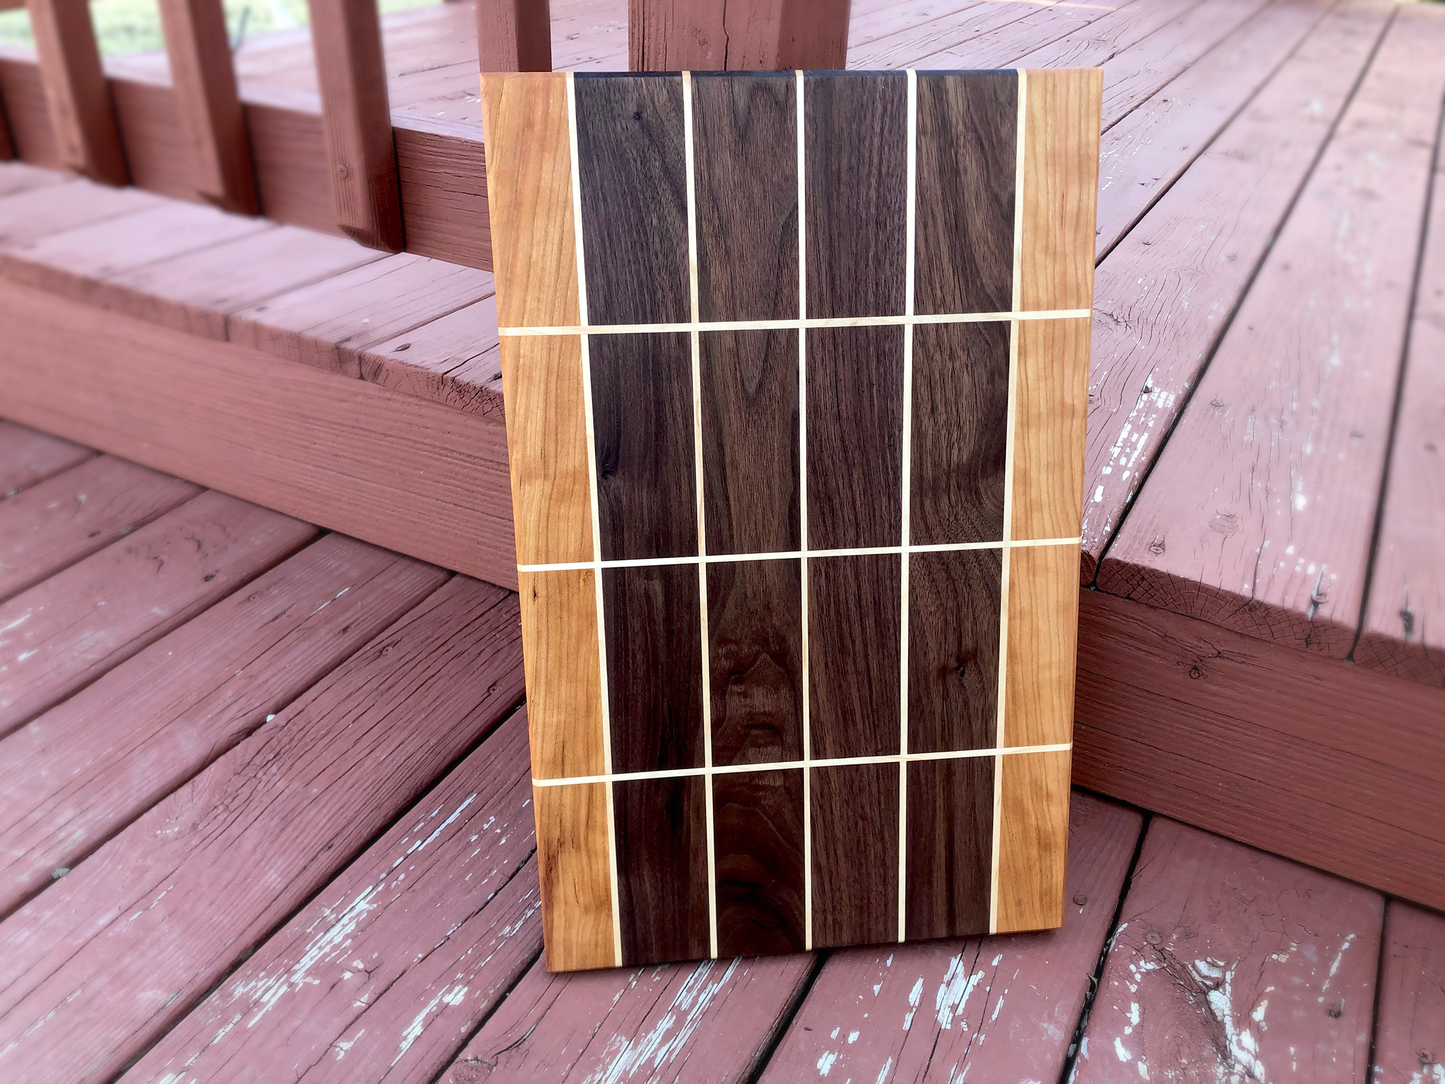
(208, 106)
(514, 35)
(76, 94)
(346, 35)
(741, 35)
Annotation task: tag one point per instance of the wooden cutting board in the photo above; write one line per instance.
(797, 509)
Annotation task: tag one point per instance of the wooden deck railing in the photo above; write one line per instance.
(395, 183)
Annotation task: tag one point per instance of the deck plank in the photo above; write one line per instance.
(68, 630)
(989, 1009)
(1097, 34)
(396, 961)
(30, 215)
(28, 457)
(329, 324)
(1157, 315)
(1404, 625)
(170, 904)
(1230, 964)
(83, 770)
(72, 515)
(1410, 1021)
(455, 360)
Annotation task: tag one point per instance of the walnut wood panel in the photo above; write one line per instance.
(950, 846)
(1032, 840)
(855, 854)
(572, 865)
(662, 878)
(759, 862)
(953, 648)
(853, 649)
(559, 627)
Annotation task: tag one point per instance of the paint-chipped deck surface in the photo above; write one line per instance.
(264, 816)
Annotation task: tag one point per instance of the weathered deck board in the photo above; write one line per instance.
(87, 767)
(391, 967)
(1259, 513)
(1008, 30)
(1404, 624)
(1229, 964)
(1101, 33)
(455, 360)
(1410, 1022)
(72, 515)
(702, 1023)
(32, 214)
(994, 1008)
(170, 904)
(28, 457)
(1157, 317)
(68, 630)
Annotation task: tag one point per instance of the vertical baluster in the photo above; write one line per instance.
(514, 35)
(207, 105)
(741, 35)
(346, 35)
(76, 95)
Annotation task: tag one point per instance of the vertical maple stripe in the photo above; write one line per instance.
(547, 448)
(855, 854)
(1043, 634)
(1033, 840)
(967, 171)
(574, 868)
(634, 197)
(759, 860)
(661, 838)
(953, 632)
(950, 840)
(529, 198)
(1051, 409)
(564, 694)
(1060, 187)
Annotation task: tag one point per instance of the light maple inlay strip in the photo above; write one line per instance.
(803, 513)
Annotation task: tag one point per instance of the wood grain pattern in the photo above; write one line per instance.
(77, 99)
(642, 419)
(661, 839)
(634, 201)
(950, 846)
(967, 164)
(853, 654)
(855, 436)
(564, 690)
(953, 649)
(759, 848)
(572, 864)
(1215, 940)
(534, 253)
(1407, 1041)
(755, 640)
(28, 457)
(547, 448)
(746, 138)
(1043, 612)
(514, 35)
(1033, 839)
(960, 432)
(750, 441)
(455, 360)
(1060, 189)
(856, 172)
(855, 854)
(654, 666)
(751, 34)
(1051, 416)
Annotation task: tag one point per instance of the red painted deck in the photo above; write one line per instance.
(264, 815)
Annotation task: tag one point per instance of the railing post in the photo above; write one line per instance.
(207, 105)
(350, 67)
(514, 35)
(741, 35)
(76, 95)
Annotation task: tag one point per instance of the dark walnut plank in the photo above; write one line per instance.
(1408, 1041)
(1233, 963)
(953, 649)
(1155, 327)
(441, 914)
(173, 902)
(66, 631)
(28, 457)
(661, 842)
(856, 175)
(634, 198)
(1246, 520)
(750, 440)
(1001, 1008)
(964, 233)
(707, 1023)
(854, 819)
(854, 646)
(755, 644)
(80, 772)
(758, 831)
(745, 134)
(59, 521)
(642, 422)
(949, 860)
